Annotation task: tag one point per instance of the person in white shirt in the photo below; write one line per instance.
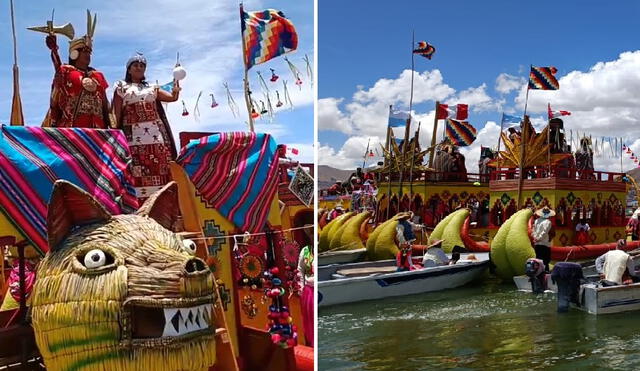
(541, 235)
(614, 265)
(434, 255)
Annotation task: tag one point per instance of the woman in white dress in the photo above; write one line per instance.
(138, 111)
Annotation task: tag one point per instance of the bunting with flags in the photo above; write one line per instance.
(542, 78)
(265, 35)
(460, 133)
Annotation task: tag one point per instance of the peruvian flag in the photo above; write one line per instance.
(457, 112)
(554, 114)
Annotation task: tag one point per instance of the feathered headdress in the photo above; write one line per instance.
(84, 41)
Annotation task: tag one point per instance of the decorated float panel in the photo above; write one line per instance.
(601, 203)
(432, 202)
(237, 249)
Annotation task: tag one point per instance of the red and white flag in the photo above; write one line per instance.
(457, 112)
(293, 151)
(554, 114)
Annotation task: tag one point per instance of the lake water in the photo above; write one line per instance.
(484, 326)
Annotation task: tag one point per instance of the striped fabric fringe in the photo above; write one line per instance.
(235, 173)
(33, 158)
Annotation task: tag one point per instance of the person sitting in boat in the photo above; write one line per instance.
(405, 238)
(435, 256)
(336, 212)
(633, 226)
(582, 232)
(616, 267)
(78, 92)
(542, 235)
(455, 257)
(404, 259)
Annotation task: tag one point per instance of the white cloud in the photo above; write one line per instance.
(506, 83)
(427, 86)
(351, 154)
(478, 99)
(602, 100)
(330, 117)
(487, 137)
(366, 115)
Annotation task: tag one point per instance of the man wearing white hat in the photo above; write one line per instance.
(541, 235)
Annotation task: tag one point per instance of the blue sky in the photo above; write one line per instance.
(483, 53)
(207, 35)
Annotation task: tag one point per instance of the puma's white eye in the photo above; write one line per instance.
(95, 258)
(189, 247)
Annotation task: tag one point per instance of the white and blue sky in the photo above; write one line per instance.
(482, 58)
(205, 32)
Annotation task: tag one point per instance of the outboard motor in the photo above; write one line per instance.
(568, 276)
(534, 269)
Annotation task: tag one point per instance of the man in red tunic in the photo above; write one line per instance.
(78, 94)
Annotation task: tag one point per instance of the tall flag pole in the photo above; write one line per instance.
(433, 136)
(405, 144)
(247, 98)
(366, 153)
(414, 143)
(17, 118)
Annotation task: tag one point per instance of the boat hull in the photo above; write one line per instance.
(378, 286)
(608, 300)
(341, 257)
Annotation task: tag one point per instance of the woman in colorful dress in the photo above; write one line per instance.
(305, 269)
(138, 111)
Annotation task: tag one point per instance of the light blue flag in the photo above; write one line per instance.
(168, 87)
(398, 119)
(508, 119)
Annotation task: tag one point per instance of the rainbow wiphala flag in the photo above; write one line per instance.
(542, 78)
(266, 35)
(460, 133)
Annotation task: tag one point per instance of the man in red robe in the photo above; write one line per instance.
(78, 94)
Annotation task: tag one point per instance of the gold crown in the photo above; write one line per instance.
(86, 40)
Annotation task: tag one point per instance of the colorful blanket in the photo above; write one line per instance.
(235, 173)
(33, 158)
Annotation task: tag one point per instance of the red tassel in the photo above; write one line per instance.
(184, 110)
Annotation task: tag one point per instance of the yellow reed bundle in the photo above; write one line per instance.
(86, 318)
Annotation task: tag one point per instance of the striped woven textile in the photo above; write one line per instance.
(461, 133)
(266, 34)
(235, 173)
(542, 78)
(33, 158)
